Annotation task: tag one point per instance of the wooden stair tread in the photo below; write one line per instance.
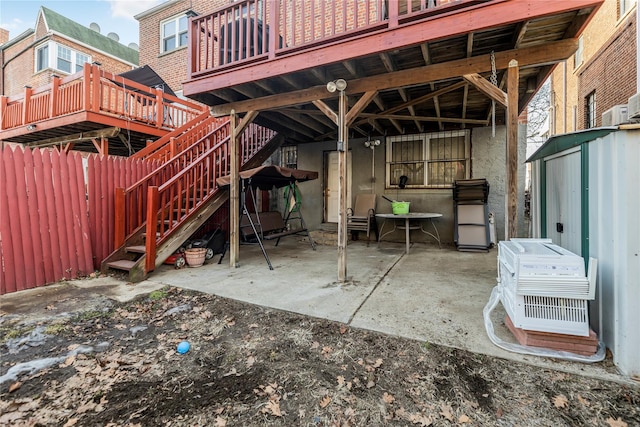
(140, 249)
(122, 264)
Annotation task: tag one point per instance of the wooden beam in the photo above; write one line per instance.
(511, 221)
(486, 87)
(234, 194)
(326, 110)
(358, 107)
(246, 121)
(535, 55)
(77, 137)
(369, 116)
(343, 185)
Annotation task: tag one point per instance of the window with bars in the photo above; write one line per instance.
(590, 110)
(430, 160)
(290, 156)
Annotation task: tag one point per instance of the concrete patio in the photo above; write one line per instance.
(431, 295)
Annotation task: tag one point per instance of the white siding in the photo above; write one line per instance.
(614, 239)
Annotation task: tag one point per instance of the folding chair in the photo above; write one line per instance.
(363, 216)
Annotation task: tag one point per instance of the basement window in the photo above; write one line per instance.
(429, 160)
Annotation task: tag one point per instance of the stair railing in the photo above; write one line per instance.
(181, 138)
(174, 202)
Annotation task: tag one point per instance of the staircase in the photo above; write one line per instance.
(156, 215)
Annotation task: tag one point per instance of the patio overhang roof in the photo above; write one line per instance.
(428, 73)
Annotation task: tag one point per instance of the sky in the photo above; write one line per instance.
(111, 15)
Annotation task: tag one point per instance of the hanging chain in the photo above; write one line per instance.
(494, 81)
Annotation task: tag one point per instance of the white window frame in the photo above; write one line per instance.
(578, 57)
(393, 173)
(176, 35)
(52, 58)
(46, 59)
(624, 6)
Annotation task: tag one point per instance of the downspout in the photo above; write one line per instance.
(564, 97)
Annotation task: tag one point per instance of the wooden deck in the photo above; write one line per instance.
(425, 59)
(93, 110)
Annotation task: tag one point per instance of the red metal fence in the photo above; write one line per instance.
(56, 213)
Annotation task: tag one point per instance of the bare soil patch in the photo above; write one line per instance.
(253, 366)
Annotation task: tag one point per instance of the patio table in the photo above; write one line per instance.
(409, 221)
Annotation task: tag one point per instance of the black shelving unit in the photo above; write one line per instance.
(471, 215)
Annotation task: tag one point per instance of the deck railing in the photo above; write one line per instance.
(260, 30)
(95, 90)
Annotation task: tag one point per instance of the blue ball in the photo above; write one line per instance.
(183, 347)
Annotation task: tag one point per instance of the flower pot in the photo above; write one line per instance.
(195, 256)
(400, 207)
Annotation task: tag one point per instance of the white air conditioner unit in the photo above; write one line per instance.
(615, 116)
(634, 106)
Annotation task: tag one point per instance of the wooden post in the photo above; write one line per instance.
(511, 196)
(86, 86)
(25, 105)
(159, 108)
(343, 149)
(274, 12)
(234, 193)
(3, 108)
(55, 84)
(119, 211)
(153, 203)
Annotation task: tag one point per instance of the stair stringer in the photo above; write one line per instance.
(179, 235)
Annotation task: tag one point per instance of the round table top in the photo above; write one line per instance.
(410, 215)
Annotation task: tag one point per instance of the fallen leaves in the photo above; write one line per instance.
(616, 423)
(560, 401)
(324, 402)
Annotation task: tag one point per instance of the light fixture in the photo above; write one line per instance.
(31, 127)
(372, 144)
(339, 85)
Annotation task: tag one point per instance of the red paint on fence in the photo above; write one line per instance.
(53, 224)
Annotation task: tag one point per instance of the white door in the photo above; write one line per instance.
(564, 196)
(331, 191)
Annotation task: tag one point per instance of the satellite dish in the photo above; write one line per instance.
(134, 46)
(95, 27)
(114, 37)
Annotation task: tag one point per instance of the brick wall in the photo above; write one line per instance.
(567, 95)
(611, 73)
(171, 66)
(20, 62)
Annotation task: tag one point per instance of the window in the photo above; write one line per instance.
(59, 57)
(81, 59)
(433, 160)
(577, 57)
(64, 59)
(173, 33)
(42, 57)
(590, 110)
(290, 156)
(624, 6)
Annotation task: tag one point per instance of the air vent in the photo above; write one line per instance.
(615, 116)
(634, 106)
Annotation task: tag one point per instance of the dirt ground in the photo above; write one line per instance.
(117, 365)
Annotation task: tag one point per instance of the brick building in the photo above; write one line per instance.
(601, 74)
(163, 37)
(58, 46)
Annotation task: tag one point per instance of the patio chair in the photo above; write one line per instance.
(363, 216)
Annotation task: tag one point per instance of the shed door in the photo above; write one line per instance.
(564, 219)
